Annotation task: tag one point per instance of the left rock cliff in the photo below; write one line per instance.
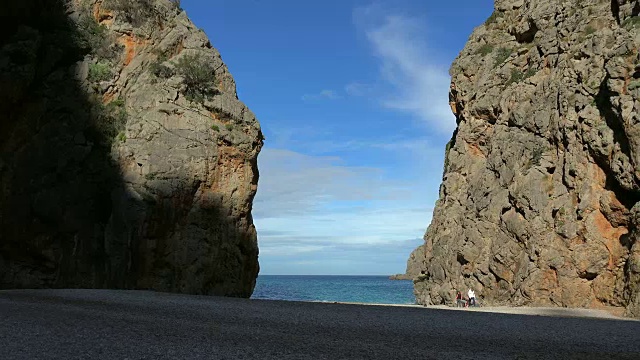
(126, 159)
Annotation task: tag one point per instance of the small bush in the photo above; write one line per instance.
(117, 113)
(631, 22)
(502, 54)
(110, 121)
(215, 127)
(589, 30)
(536, 156)
(135, 12)
(95, 38)
(534, 160)
(485, 50)
(100, 71)
(162, 71)
(530, 72)
(229, 127)
(198, 77)
(118, 103)
(159, 69)
(92, 33)
(635, 84)
(516, 77)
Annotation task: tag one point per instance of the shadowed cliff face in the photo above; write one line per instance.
(538, 203)
(111, 173)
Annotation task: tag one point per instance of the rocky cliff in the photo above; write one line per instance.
(539, 199)
(126, 158)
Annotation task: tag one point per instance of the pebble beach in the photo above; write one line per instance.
(115, 324)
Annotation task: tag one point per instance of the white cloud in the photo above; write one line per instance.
(356, 227)
(295, 184)
(311, 208)
(358, 89)
(324, 94)
(419, 84)
(338, 258)
(290, 249)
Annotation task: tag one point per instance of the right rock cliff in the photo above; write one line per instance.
(539, 199)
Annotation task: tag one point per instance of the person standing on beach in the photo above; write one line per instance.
(472, 297)
(460, 302)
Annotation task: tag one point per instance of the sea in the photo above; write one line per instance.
(360, 289)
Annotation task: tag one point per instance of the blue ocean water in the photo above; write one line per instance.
(365, 289)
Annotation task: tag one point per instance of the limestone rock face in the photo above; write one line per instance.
(538, 204)
(126, 158)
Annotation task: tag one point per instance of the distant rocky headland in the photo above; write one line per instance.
(400, 277)
(539, 199)
(126, 158)
(413, 265)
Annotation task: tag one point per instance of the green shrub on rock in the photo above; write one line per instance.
(198, 77)
(100, 71)
(110, 120)
(589, 30)
(159, 69)
(135, 12)
(536, 156)
(93, 34)
(635, 84)
(631, 22)
(485, 50)
(95, 39)
(502, 54)
(530, 72)
(516, 77)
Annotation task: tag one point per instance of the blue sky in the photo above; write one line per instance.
(352, 96)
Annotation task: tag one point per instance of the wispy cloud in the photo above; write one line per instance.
(324, 94)
(419, 83)
(340, 258)
(295, 184)
(358, 89)
(317, 207)
(323, 140)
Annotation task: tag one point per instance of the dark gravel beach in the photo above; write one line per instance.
(105, 324)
